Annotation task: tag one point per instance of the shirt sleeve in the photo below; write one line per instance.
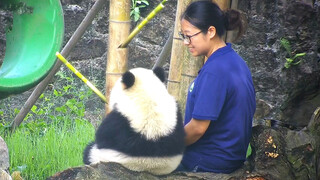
(210, 96)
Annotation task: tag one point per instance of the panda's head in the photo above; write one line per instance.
(141, 96)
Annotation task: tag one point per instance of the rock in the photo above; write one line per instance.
(114, 171)
(281, 153)
(16, 175)
(262, 111)
(314, 129)
(314, 124)
(269, 158)
(4, 175)
(4, 160)
(4, 155)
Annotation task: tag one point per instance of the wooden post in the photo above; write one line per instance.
(191, 66)
(232, 34)
(223, 4)
(177, 53)
(119, 29)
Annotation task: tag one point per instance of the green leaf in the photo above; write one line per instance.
(289, 60)
(40, 112)
(34, 108)
(136, 17)
(296, 63)
(141, 6)
(145, 2)
(66, 88)
(286, 44)
(249, 151)
(56, 93)
(287, 65)
(16, 111)
(131, 12)
(299, 55)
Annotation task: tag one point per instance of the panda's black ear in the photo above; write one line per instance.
(159, 72)
(128, 79)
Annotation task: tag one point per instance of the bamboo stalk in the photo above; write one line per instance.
(119, 28)
(84, 79)
(137, 29)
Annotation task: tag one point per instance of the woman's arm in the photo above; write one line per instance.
(195, 130)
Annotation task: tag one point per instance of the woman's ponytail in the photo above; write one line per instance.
(205, 13)
(234, 20)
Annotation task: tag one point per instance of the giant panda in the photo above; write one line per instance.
(144, 130)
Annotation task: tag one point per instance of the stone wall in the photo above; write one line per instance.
(289, 95)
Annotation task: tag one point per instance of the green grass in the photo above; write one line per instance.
(41, 153)
(55, 132)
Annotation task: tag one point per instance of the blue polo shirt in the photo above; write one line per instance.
(223, 93)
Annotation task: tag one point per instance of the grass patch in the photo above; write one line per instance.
(42, 151)
(55, 132)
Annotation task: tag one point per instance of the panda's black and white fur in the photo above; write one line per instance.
(144, 130)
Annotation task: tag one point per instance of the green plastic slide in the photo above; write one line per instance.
(31, 43)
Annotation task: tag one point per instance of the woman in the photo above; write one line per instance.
(221, 100)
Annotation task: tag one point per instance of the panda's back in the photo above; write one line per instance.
(116, 133)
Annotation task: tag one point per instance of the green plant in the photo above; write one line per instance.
(136, 6)
(39, 150)
(292, 59)
(53, 135)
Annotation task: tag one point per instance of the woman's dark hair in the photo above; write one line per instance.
(203, 14)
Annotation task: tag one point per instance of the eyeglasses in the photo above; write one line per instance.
(187, 38)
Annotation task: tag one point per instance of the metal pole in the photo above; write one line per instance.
(99, 4)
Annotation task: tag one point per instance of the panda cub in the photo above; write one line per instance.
(144, 130)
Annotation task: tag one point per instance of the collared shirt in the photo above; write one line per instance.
(223, 93)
